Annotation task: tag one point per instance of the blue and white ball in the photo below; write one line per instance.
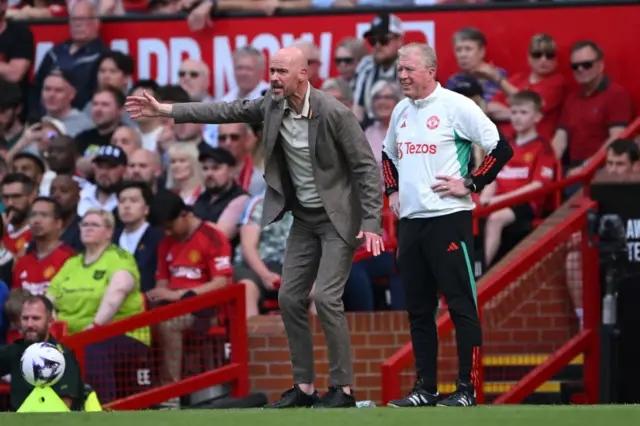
(42, 364)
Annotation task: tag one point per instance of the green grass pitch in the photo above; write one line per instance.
(477, 416)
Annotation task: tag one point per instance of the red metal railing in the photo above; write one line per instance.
(497, 283)
(586, 341)
(235, 372)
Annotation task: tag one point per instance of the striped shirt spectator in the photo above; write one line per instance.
(385, 37)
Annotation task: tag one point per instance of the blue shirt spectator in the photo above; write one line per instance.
(78, 56)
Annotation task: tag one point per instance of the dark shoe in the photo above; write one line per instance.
(418, 397)
(336, 397)
(464, 396)
(295, 398)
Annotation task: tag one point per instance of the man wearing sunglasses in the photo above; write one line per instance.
(385, 38)
(194, 77)
(594, 114)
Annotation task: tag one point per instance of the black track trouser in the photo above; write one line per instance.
(434, 257)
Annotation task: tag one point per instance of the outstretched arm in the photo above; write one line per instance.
(241, 111)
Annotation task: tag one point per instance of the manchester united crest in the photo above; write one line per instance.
(528, 157)
(194, 256)
(48, 272)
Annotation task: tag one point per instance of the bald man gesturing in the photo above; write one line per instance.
(319, 165)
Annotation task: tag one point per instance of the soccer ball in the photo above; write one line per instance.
(42, 364)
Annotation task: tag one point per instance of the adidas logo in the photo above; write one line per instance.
(403, 125)
(453, 247)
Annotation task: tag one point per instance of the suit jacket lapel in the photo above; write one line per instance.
(314, 112)
(273, 130)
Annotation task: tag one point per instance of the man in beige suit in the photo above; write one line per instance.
(319, 165)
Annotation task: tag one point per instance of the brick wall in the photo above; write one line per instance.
(533, 315)
(374, 337)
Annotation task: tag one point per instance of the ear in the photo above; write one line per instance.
(538, 117)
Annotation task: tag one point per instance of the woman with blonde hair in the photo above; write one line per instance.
(94, 288)
(184, 174)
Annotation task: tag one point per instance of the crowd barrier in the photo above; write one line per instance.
(168, 352)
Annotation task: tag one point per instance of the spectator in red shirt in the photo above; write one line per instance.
(18, 192)
(194, 258)
(594, 114)
(531, 166)
(542, 77)
(46, 253)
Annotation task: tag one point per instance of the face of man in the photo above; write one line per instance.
(105, 111)
(83, 22)
(16, 202)
(62, 157)
(66, 192)
(108, 176)
(287, 71)
(619, 164)
(141, 167)
(42, 220)
(34, 322)
(57, 95)
(469, 54)
(587, 67)
(193, 77)
(217, 177)
(247, 71)
(385, 47)
(232, 138)
(132, 208)
(414, 76)
(27, 167)
(126, 139)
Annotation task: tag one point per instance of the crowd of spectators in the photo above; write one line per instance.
(176, 207)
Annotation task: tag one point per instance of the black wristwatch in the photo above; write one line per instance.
(468, 183)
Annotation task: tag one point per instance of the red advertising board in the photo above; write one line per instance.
(159, 46)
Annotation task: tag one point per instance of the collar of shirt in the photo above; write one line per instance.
(94, 46)
(306, 108)
(90, 195)
(421, 103)
(257, 91)
(131, 240)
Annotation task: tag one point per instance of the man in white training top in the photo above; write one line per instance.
(426, 158)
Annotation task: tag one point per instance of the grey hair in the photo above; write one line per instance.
(249, 50)
(425, 51)
(380, 85)
(356, 46)
(341, 86)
